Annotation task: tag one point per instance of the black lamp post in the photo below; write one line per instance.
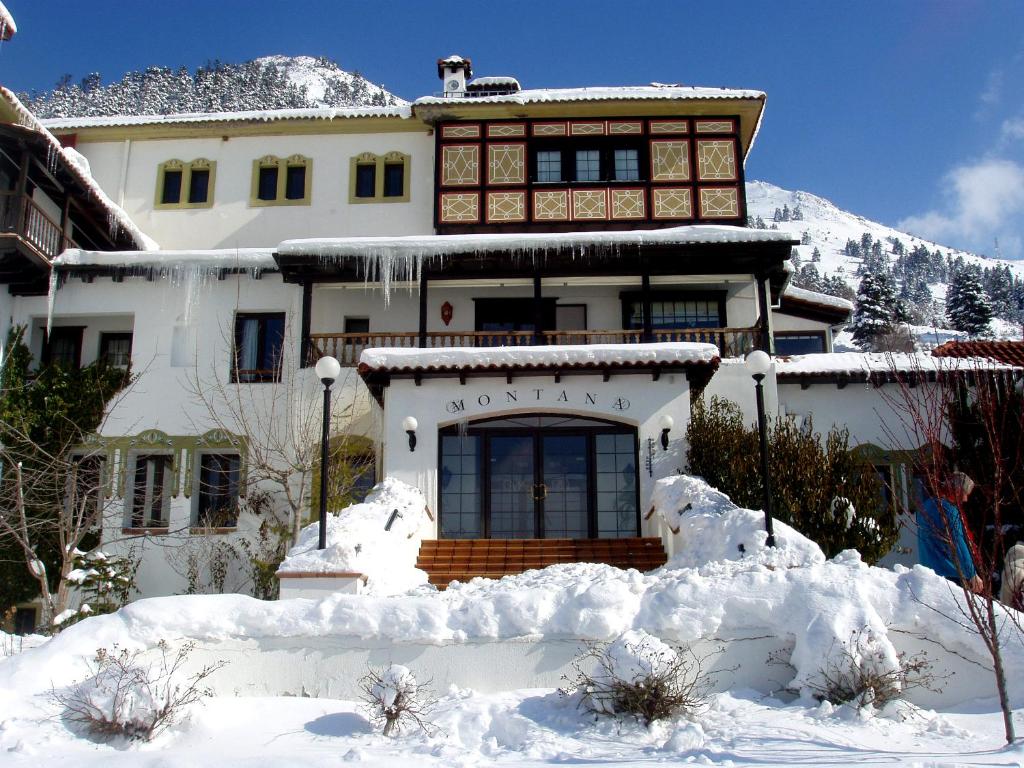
(327, 370)
(758, 363)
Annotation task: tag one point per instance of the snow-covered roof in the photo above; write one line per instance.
(602, 93)
(820, 299)
(252, 116)
(427, 246)
(494, 81)
(7, 26)
(119, 220)
(868, 366)
(227, 258)
(400, 360)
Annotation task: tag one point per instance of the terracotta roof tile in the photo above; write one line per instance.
(1009, 352)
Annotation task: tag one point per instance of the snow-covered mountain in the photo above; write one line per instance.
(829, 228)
(321, 78)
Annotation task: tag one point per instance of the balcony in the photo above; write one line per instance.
(34, 233)
(346, 347)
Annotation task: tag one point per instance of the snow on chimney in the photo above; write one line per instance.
(454, 71)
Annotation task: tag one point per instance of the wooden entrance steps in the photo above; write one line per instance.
(447, 560)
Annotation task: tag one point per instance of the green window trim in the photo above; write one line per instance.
(380, 162)
(186, 170)
(282, 164)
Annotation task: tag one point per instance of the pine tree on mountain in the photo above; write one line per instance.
(785, 212)
(967, 307)
(877, 309)
(816, 255)
(798, 214)
(805, 238)
(778, 215)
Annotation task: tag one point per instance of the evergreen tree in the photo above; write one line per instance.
(967, 307)
(805, 238)
(778, 215)
(785, 212)
(877, 309)
(816, 255)
(798, 214)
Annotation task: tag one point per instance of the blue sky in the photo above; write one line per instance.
(909, 112)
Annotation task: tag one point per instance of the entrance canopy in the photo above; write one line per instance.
(378, 366)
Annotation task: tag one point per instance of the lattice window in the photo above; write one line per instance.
(506, 163)
(549, 166)
(670, 160)
(460, 207)
(589, 204)
(719, 203)
(551, 205)
(588, 165)
(672, 203)
(627, 165)
(460, 165)
(716, 160)
(506, 206)
(628, 204)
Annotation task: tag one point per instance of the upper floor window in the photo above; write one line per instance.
(549, 166)
(217, 500)
(281, 181)
(259, 347)
(185, 185)
(675, 310)
(606, 160)
(379, 178)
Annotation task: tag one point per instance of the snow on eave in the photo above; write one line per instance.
(429, 246)
(227, 258)
(114, 211)
(814, 297)
(566, 356)
(868, 366)
(600, 93)
(7, 26)
(257, 116)
(493, 80)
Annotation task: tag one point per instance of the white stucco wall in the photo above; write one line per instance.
(631, 399)
(231, 222)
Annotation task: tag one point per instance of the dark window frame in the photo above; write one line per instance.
(630, 297)
(605, 146)
(390, 190)
(106, 337)
(72, 333)
(366, 181)
(801, 335)
(208, 512)
(264, 373)
(140, 513)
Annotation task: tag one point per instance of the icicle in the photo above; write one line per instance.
(51, 298)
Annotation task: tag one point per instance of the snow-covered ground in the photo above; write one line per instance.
(722, 584)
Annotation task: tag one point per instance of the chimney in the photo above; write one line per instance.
(454, 71)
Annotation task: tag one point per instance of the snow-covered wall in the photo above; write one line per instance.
(127, 170)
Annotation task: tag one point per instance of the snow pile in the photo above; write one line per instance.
(529, 356)
(861, 365)
(357, 541)
(709, 528)
(633, 657)
(119, 695)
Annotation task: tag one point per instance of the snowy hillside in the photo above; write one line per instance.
(830, 227)
(324, 81)
(839, 246)
(273, 82)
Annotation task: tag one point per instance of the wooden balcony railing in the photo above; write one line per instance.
(21, 215)
(346, 347)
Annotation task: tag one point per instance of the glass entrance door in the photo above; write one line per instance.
(539, 477)
(512, 487)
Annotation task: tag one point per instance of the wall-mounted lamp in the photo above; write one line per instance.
(667, 422)
(409, 424)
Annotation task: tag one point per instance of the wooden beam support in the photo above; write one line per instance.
(307, 322)
(423, 306)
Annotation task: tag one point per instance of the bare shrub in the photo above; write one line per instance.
(864, 673)
(640, 676)
(395, 700)
(126, 697)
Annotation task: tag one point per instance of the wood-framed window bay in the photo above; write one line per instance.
(152, 478)
(281, 181)
(219, 482)
(258, 347)
(182, 185)
(379, 178)
(63, 346)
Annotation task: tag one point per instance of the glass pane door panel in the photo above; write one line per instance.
(616, 486)
(565, 479)
(461, 512)
(511, 488)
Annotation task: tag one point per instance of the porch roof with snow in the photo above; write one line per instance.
(696, 249)
(378, 367)
(813, 305)
(878, 368)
